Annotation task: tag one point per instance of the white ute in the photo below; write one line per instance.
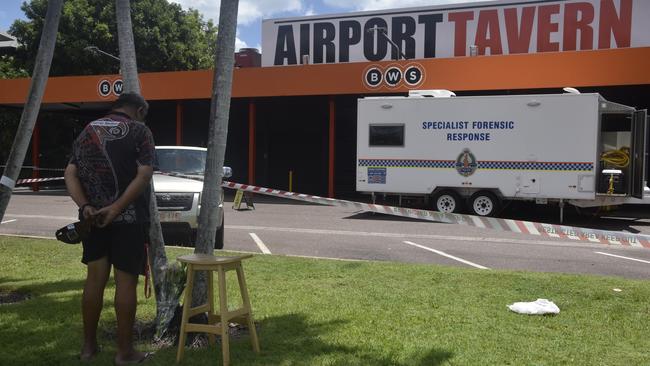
(178, 197)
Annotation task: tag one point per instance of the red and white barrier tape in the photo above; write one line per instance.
(37, 180)
(516, 226)
(524, 227)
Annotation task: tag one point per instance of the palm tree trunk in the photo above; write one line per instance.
(168, 278)
(128, 60)
(219, 114)
(33, 105)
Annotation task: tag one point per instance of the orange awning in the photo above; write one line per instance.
(527, 71)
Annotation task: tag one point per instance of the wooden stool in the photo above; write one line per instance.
(210, 263)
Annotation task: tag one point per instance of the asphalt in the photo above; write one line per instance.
(285, 227)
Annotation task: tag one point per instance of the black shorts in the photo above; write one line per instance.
(122, 244)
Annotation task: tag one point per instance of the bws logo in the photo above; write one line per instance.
(106, 87)
(118, 85)
(393, 76)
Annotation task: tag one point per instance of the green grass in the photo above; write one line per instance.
(325, 312)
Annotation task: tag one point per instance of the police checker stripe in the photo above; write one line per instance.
(495, 165)
(525, 227)
(407, 163)
(535, 165)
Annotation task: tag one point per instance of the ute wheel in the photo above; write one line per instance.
(447, 202)
(484, 203)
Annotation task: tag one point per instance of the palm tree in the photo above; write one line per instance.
(219, 114)
(33, 105)
(168, 278)
(128, 60)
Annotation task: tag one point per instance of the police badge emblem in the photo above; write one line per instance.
(466, 163)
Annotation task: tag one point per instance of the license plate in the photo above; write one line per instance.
(170, 216)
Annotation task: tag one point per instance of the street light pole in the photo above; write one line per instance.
(95, 49)
(382, 31)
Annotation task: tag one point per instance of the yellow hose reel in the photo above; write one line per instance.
(615, 159)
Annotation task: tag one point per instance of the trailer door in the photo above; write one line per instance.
(639, 131)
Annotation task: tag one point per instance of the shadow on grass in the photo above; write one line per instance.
(435, 357)
(43, 288)
(293, 339)
(45, 329)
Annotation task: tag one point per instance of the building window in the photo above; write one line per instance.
(386, 135)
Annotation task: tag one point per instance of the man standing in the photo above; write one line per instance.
(108, 178)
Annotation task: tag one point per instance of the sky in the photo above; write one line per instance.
(251, 12)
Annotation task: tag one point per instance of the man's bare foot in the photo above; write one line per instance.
(88, 353)
(133, 358)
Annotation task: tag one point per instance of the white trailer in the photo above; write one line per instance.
(481, 150)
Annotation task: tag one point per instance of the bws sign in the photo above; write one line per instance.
(106, 88)
(393, 76)
(495, 28)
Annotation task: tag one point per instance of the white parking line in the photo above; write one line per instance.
(44, 217)
(260, 243)
(620, 256)
(8, 221)
(28, 236)
(416, 236)
(446, 255)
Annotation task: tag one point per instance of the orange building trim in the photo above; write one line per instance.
(614, 67)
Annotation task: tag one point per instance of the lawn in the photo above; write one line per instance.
(326, 312)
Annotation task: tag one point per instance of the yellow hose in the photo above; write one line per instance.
(617, 158)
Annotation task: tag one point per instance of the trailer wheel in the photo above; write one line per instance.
(447, 202)
(484, 203)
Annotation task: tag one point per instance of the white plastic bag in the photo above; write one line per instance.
(538, 307)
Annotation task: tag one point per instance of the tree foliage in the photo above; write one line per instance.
(167, 38)
(9, 69)
(9, 119)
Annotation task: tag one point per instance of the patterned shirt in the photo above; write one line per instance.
(107, 154)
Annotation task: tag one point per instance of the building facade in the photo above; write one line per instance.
(297, 112)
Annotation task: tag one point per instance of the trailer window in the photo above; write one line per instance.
(386, 135)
